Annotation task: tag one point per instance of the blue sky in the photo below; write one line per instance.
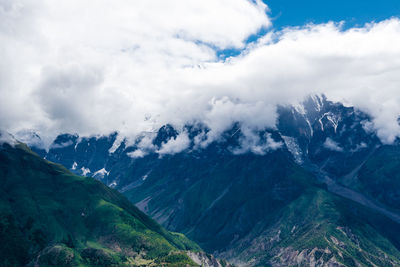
(353, 12)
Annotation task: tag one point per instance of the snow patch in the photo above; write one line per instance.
(77, 143)
(85, 171)
(311, 129)
(322, 125)
(117, 143)
(293, 148)
(74, 165)
(101, 173)
(317, 100)
(332, 118)
(299, 108)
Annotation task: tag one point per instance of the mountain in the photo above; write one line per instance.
(261, 210)
(51, 217)
(314, 190)
(328, 134)
(342, 149)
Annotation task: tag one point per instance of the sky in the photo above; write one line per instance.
(94, 67)
(285, 13)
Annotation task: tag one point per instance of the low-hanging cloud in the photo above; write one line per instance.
(132, 66)
(332, 145)
(175, 145)
(252, 142)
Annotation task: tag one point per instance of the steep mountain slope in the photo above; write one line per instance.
(320, 229)
(217, 199)
(260, 210)
(51, 217)
(328, 134)
(340, 147)
(379, 177)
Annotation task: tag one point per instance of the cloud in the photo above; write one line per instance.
(62, 145)
(221, 113)
(138, 153)
(252, 142)
(95, 67)
(359, 147)
(175, 145)
(332, 145)
(6, 138)
(79, 66)
(143, 143)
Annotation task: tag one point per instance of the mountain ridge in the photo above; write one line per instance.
(255, 177)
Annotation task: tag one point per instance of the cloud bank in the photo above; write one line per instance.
(132, 66)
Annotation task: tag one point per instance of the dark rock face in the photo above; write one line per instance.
(329, 134)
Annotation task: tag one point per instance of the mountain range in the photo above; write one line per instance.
(319, 189)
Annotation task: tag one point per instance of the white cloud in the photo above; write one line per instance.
(6, 138)
(87, 67)
(132, 66)
(29, 138)
(138, 153)
(332, 145)
(62, 145)
(175, 145)
(144, 144)
(251, 142)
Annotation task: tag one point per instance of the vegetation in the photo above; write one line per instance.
(320, 227)
(380, 176)
(264, 210)
(54, 218)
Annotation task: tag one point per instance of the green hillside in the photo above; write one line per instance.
(379, 177)
(51, 217)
